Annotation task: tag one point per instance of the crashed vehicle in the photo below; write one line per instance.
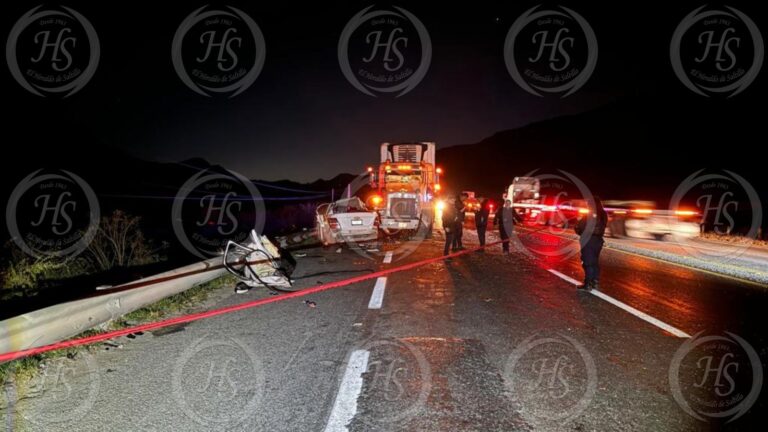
(259, 263)
(346, 221)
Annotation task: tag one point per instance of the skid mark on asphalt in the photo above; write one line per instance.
(642, 315)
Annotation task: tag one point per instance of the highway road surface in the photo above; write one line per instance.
(482, 342)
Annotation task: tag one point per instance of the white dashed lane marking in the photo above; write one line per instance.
(345, 405)
(377, 298)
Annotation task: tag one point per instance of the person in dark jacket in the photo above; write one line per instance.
(481, 222)
(505, 219)
(448, 219)
(459, 226)
(591, 229)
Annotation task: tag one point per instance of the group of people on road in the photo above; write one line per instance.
(454, 214)
(590, 227)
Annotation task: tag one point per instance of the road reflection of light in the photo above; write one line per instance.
(550, 250)
(635, 280)
(643, 290)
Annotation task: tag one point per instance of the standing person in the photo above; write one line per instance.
(591, 229)
(481, 222)
(505, 219)
(459, 232)
(448, 219)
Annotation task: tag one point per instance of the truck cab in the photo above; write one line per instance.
(406, 183)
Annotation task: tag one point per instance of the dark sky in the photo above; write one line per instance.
(301, 119)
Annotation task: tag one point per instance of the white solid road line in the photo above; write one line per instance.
(565, 277)
(388, 257)
(345, 406)
(642, 315)
(378, 293)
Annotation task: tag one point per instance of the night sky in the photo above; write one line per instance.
(301, 119)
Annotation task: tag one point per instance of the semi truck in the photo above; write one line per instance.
(406, 184)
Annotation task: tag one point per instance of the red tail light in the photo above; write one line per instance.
(334, 224)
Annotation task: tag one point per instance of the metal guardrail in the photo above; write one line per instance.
(59, 322)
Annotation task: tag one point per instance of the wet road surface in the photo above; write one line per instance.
(483, 342)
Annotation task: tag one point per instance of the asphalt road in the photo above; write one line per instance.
(484, 342)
